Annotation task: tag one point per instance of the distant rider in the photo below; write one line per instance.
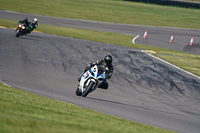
(26, 24)
(24, 21)
(34, 23)
(107, 64)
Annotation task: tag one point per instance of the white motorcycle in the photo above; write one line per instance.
(90, 80)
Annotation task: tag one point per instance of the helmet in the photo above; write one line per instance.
(108, 59)
(35, 19)
(26, 19)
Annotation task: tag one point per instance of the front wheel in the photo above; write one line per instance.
(17, 33)
(88, 89)
(78, 92)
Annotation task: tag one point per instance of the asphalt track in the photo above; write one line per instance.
(156, 36)
(142, 88)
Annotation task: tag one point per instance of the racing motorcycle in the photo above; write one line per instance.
(32, 25)
(21, 29)
(24, 30)
(90, 80)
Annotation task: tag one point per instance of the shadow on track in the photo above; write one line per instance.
(131, 105)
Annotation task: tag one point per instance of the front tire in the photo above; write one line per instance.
(17, 33)
(88, 89)
(78, 92)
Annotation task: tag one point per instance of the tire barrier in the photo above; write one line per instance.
(170, 3)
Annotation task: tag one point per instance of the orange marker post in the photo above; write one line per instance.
(171, 39)
(145, 35)
(191, 41)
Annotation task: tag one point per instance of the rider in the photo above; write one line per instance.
(35, 23)
(107, 64)
(25, 22)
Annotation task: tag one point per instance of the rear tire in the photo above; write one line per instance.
(88, 89)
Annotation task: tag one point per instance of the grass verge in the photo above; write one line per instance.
(24, 112)
(186, 61)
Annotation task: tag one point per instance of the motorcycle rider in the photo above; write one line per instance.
(34, 23)
(107, 64)
(24, 21)
(26, 24)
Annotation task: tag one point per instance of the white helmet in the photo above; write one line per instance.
(35, 19)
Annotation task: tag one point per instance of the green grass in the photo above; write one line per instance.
(117, 11)
(24, 112)
(189, 63)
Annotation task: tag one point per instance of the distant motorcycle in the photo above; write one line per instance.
(90, 80)
(21, 29)
(33, 25)
(24, 30)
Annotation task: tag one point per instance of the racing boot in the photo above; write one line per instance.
(104, 85)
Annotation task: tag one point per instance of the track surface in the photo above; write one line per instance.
(157, 36)
(142, 88)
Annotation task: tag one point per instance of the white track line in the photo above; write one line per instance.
(170, 64)
(133, 41)
(7, 85)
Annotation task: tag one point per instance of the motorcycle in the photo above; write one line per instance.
(24, 30)
(21, 29)
(33, 25)
(90, 80)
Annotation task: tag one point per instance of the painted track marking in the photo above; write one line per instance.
(170, 64)
(133, 41)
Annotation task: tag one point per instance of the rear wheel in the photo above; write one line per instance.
(88, 89)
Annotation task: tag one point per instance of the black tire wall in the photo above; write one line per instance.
(170, 3)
